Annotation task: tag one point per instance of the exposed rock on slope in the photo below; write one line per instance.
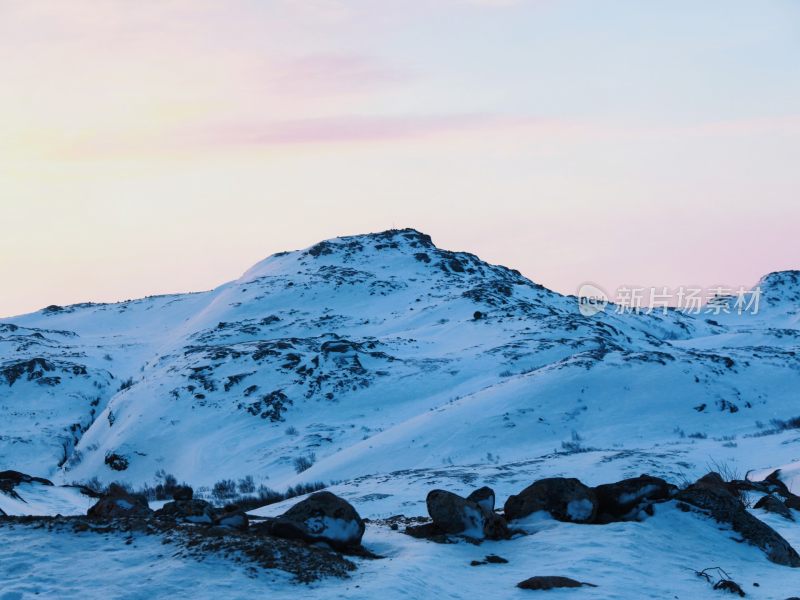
(711, 494)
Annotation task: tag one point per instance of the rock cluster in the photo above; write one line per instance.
(569, 500)
(321, 517)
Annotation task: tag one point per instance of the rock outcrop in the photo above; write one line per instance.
(774, 505)
(711, 494)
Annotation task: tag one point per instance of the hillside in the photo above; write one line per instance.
(366, 351)
(384, 367)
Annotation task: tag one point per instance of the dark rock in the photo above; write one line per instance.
(775, 485)
(233, 517)
(774, 505)
(117, 462)
(624, 500)
(551, 582)
(321, 249)
(14, 478)
(495, 527)
(494, 559)
(792, 501)
(322, 517)
(711, 494)
(191, 511)
(7, 487)
(119, 503)
(565, 499)
(428, 531)
(483, 497)
(771, 485)
(35, 368)
(182, 492)
(727, 585)
(453, 514)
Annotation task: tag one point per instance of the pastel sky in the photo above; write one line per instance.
(164, 146)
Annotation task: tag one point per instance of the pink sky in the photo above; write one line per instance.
(167, 146)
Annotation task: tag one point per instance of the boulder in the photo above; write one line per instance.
(551, 582)
(461, 516)
(711, 494)
(774, 505)
(453, 514)
(233, 517)
(190, 511)
(483, 497)
(119, 503)
(566, 499)
(322, 517)
(625, 500)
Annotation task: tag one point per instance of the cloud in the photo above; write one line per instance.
(343, 129)
(350, 128)
(494, 3)
(332, 73)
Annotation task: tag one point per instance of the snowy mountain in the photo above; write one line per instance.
(369, 348)
(387, 365)
(376, 353)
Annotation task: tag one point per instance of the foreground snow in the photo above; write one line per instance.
(656, 558)
(653, 559)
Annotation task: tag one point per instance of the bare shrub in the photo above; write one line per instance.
(304, 463)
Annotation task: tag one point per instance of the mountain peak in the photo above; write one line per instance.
(407, 252)
(781, 286)
(781, 279)
(389, 239)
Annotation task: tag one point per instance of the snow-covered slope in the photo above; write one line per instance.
(394, 367)
(381, 353)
